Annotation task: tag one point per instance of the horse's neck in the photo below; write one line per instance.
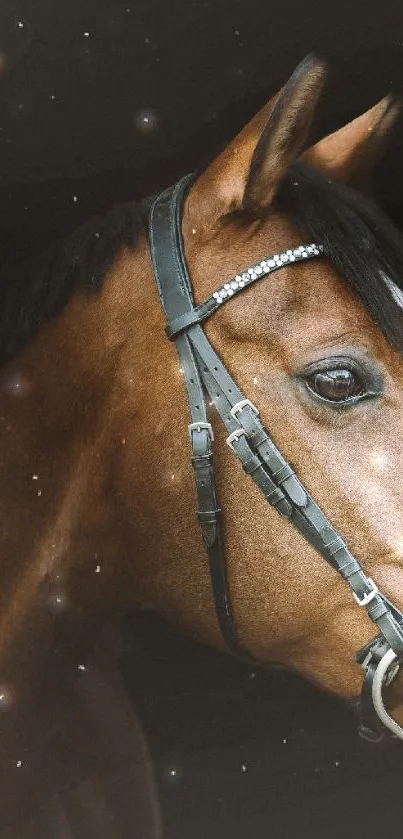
(94, 458)
(59, 413)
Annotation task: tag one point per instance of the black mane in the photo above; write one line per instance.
(33, 292)
(359, 239)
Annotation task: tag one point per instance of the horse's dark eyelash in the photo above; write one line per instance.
(335, 363)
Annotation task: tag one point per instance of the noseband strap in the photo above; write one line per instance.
(204, 374)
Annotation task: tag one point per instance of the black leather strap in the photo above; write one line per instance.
(304, 513)
(177, 300)
(260, 458)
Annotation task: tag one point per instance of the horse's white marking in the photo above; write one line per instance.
(395, 291)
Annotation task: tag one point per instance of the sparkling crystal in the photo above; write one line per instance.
(234, 284)
(253, 276)
(271, 263)
(227, 286)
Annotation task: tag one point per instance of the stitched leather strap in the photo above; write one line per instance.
(177, 300)
(247, 437)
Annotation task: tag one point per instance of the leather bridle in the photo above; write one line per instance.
(204, 373)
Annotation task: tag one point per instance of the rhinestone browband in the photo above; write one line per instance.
(265, 266)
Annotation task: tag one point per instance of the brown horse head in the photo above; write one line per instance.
(98, 500)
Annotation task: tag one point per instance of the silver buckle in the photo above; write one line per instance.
(201, 426)
(367, 597)
(241, 405)
(235, 435)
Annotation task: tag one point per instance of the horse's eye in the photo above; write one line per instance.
(338, 385)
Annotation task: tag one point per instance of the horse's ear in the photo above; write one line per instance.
(284, 135)
(351, 152)
(249, 171)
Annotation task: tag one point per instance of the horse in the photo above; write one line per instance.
(99, 452)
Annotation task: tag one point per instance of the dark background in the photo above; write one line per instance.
(246, 753)
(108, 101)
(103, 101)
